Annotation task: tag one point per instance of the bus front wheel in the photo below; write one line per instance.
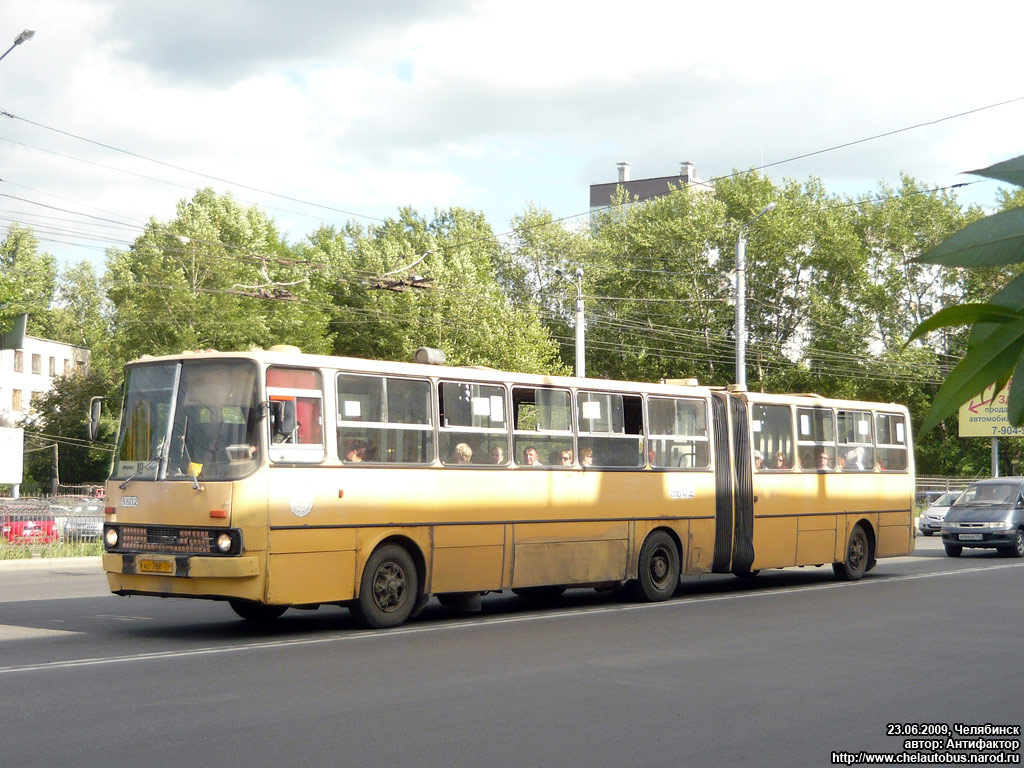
(387, 593)
(657, 569)
(858, 554)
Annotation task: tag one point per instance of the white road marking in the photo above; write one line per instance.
(376, 635)
(12, 632)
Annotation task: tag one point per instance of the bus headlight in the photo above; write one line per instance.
(225, 542)
(111, 537)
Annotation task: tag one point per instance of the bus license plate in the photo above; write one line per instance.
(970, 537)
(155, 566)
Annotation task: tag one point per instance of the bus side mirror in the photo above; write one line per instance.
(282, 417)
(95, 408)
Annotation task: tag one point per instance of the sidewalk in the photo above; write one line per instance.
(51, 563)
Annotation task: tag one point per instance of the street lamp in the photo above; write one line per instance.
(581, 363)
(741, 300)
(28, 34)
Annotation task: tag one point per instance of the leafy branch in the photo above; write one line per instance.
(996, 343)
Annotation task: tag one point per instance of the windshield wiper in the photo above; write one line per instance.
(188, 456)
(147, 465)
(135, 474)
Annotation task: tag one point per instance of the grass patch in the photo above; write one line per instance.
(61, 549)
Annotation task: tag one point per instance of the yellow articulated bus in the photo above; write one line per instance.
(272, 478)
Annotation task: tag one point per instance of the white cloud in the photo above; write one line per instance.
(489, 105)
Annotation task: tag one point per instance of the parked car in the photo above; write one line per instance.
(85, 523)
(927, 498)
(990, 513)
(930, 521)
(27, 522)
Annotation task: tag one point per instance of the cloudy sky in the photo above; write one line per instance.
(325, 110)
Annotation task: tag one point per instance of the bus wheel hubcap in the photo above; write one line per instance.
(659, 567)
(856, 552)
(389, 586)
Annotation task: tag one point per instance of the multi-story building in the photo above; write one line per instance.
(29, 370)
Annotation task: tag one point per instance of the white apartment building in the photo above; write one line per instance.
(28, 371)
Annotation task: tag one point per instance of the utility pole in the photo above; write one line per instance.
(581, 355)
(56, 472)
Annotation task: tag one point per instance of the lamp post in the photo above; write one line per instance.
(581, 362)
(28, 34)
(741, 299)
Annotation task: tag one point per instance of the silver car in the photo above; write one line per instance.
(988, 514)
(931, 519)
(85, 523)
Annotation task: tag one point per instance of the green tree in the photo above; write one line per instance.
(658, 302)
(458, 305)
(29, 281)
(61, 415)
(218, 276)
(528, 265)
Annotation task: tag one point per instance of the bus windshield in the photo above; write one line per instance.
(190, 419)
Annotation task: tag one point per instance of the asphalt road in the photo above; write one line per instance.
(781, 670)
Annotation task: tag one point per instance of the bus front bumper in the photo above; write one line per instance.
(181, 566)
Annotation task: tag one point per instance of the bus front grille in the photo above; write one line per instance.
(196, 541)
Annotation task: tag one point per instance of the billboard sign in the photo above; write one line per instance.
(985, 415)
(12, 444)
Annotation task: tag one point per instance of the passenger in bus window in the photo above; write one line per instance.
(780, 461)
(565, 458)
(823, 463)
(840, 464)
(855, 459)
(586, 457)
(530, 457)
(758, 459)
(354, 451)
(461, 454)
(496, 455)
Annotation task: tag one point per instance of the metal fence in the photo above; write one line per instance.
(927, 483)
(58, 525)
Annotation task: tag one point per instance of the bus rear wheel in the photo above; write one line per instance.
(387, 593)
(858, 554)
(257, 613)
(657, 569)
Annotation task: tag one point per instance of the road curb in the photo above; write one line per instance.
(50, 563)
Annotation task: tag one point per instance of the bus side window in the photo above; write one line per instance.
(772, 430)
(856, 448)
(678, 433)
(296, 415)
(473, 428)
(384, 419)
(542, 427)
(816, 439)
(612, 425)
(891, 442)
